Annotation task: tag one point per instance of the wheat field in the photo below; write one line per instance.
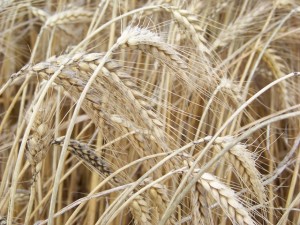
(149, 112)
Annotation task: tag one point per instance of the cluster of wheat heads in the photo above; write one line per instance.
(149, 112)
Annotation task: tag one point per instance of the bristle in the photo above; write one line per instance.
(149, 112)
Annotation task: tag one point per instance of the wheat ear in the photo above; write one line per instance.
(218, 8)
(151, 43)
(151, 119)
(140, 211)
(191, 23)
(88, 156)
(243, 161)
(160, 199)
(39, 142)
(279, 69)
(76, 73)
(69, 16)
(240, 26)
(199, 206)
(83, 64)
(3, 220)
(36, 148)
(227, 199)
(39, 13)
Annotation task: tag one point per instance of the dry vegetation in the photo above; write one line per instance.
(149, 112)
